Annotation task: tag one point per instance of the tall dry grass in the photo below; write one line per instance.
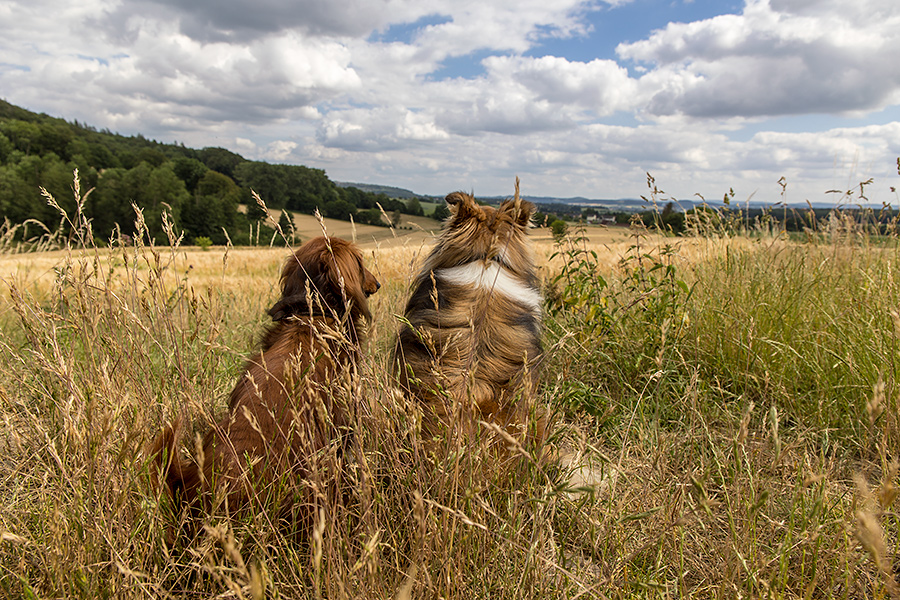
(726, 426)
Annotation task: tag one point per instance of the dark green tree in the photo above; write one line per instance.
(48, 172)
(441, 212)
(110, 204)
(265, 180)
(213, 210)
(189, 170)
(153, 190)
(414, 207)
(151, 156)
(357, 197)
(6, 148)
(16, 198)
(55, 136)
(559, 229)
(24, 135)
(220, 160)
(339, 209)
(255, 212)
(370, 216)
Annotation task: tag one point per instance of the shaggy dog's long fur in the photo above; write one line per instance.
(285, 407)
(472, 341)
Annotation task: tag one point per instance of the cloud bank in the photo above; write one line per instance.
(437, 95)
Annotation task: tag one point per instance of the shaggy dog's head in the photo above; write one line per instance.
(482, 233)
(325, 276)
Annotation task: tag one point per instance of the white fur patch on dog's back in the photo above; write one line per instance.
(495, 279)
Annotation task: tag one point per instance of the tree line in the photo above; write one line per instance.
(883, 221)
(201, 190)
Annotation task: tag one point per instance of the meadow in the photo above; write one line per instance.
(726, 408)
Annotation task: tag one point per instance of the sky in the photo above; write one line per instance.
(575, 97)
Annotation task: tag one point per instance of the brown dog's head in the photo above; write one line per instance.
(475, 232)
(333, 273)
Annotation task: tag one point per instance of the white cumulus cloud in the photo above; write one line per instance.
(775, 58)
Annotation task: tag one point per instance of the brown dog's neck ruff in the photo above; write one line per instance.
(300, 306)
(321, 322)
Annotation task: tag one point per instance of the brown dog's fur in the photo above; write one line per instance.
(473, 338)
(282, 410)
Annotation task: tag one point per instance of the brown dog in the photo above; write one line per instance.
(285, 407)
(472, 342)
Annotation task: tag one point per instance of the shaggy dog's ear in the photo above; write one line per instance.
(463, 206)
(520, 210)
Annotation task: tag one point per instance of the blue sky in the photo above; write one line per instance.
(630, 22)
(575, 97)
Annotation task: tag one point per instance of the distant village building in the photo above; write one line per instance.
(598, 219)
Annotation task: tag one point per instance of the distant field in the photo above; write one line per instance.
(428, 207)
(416, 227)
(256, 266)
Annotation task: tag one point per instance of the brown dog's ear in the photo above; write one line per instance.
(294, 275)
(301, 270)
(463, 206)
(345, 272)
(288, 306)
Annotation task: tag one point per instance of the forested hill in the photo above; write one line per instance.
(201, 189)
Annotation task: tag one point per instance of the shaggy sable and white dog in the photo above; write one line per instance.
(471, 343)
